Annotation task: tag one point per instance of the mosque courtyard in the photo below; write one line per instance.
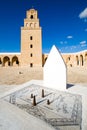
(65, 110)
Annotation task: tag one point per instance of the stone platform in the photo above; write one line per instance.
(64, 110)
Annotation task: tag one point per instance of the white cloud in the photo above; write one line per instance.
(73, 47)
(83, 43)
(69, 37)
(63, 42)
(83, 14)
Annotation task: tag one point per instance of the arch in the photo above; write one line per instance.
(6, 61)
(15, 61)
(81, 60)
(68, 59)
(0, 62)
(35, 25)
(77, 60)
(45, 59)
(31, 17)
(31, 25)
(26, 24)
(86, 56)
(86, 59)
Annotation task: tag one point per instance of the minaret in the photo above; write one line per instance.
(31, 40)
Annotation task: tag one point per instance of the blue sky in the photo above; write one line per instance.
(63, 22)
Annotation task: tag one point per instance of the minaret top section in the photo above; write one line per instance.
(32, 14)
(31, 21)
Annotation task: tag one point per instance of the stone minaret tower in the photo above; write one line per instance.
(31, 40)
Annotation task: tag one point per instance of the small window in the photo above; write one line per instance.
(31, 55)
(31, 38)
(31, 17)
(31, 46)
(31, 64)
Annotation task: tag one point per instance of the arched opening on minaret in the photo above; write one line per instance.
(35, 25)
(31, 25)
(77, 60)
(15, 61)
(6, 61)
(26, 24)
(31, 16)
(81, 60)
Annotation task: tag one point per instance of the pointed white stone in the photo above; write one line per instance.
(55, 70)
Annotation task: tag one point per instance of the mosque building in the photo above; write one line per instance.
(31, 47)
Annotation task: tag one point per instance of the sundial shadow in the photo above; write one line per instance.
(70, 85)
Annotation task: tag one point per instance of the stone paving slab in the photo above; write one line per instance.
(13, 118)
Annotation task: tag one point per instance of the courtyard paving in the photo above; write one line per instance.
(66, 111)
